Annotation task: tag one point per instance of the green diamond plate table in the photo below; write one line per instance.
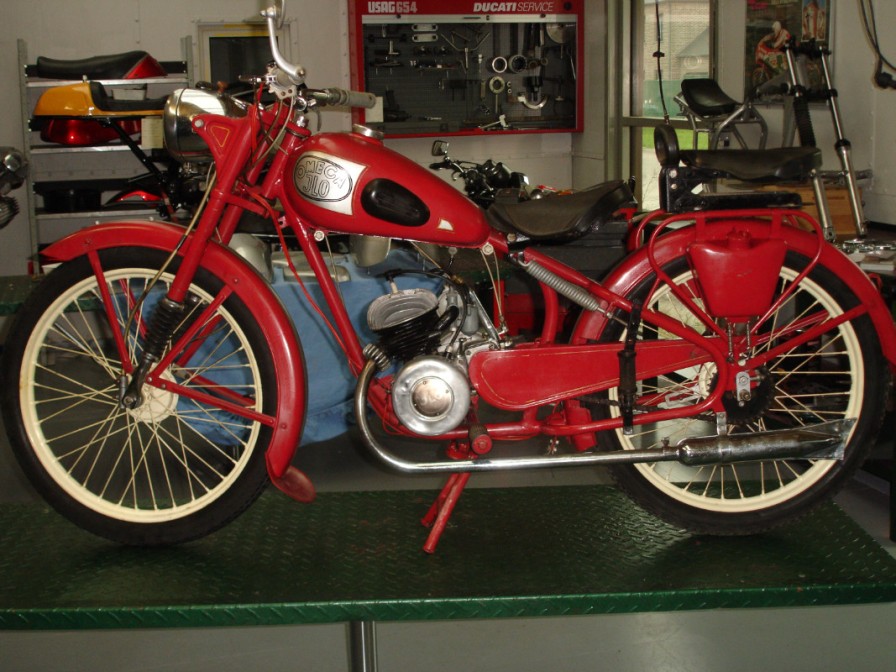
(356, 557)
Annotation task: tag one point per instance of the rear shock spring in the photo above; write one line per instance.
(574, 293)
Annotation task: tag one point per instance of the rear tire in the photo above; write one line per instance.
(841, 375)
(170, 470)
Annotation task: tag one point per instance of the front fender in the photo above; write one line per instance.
(251, 288)
(674, 245)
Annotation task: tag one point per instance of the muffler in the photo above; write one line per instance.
(822, 441)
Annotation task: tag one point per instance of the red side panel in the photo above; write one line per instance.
(554, 373)
(146, 67)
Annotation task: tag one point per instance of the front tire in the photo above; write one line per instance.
(172, 469)
(841, 375)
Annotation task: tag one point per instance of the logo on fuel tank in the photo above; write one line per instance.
(320, 179)
(327, 181)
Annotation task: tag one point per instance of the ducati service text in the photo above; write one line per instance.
(401, 7)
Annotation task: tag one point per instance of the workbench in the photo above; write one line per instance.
(356, 557)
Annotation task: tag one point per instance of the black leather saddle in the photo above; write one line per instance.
(684, 170)
(108, 103)
(557, 217)
(112, 66)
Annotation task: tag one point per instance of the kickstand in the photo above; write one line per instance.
(441, 509)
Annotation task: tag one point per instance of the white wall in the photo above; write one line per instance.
(876, 137)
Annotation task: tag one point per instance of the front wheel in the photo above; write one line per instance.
(183, 462)
(840, 375)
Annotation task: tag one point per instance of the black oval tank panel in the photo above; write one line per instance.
(388, 200)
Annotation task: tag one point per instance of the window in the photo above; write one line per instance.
(229, 50)
(685, 30)
(680, 30)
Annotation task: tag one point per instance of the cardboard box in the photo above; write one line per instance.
(838, 205)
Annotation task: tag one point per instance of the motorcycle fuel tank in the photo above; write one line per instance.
(352, 183)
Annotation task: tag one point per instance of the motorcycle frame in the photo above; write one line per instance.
(238, 140)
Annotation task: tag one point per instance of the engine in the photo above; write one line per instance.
(431, 338)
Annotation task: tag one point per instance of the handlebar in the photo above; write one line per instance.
(336, 96)
(274, 17)
(288, 78)
(777, 86)
(809, 48)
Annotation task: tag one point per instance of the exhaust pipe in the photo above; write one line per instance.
(822, 441)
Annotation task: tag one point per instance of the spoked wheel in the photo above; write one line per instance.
(180, 464)
(838, 376)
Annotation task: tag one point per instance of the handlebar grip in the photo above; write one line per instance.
(349, 98)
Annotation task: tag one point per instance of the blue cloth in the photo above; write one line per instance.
(331, 384)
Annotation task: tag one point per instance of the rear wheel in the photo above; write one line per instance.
(183, 462)
(838, 376)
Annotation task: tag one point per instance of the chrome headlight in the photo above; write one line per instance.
(182, 106)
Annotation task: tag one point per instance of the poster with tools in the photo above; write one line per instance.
(769, 26)
(468, 67)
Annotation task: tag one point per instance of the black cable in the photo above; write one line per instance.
(869, 20)
(659, 55)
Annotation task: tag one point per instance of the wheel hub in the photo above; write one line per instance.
(743, 411)
(158, 403)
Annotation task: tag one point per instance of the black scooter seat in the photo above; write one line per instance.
(706, 98)
(107, 103)
(112, 66)
(787, 164)
(557, 217)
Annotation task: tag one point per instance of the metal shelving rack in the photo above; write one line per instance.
(115, 163)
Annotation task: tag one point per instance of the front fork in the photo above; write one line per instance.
(170, 311)
(165, 319)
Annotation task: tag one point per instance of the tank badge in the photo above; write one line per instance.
(445, 225)
(328, 181)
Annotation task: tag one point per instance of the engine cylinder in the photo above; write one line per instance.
(405, 322)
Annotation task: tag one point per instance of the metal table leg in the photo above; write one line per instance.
(362, 646)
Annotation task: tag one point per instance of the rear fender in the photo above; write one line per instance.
(674, 245)
(246, 283)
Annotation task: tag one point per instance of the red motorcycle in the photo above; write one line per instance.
(731, 371)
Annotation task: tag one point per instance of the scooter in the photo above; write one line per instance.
(731, 371)
(88, 113)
